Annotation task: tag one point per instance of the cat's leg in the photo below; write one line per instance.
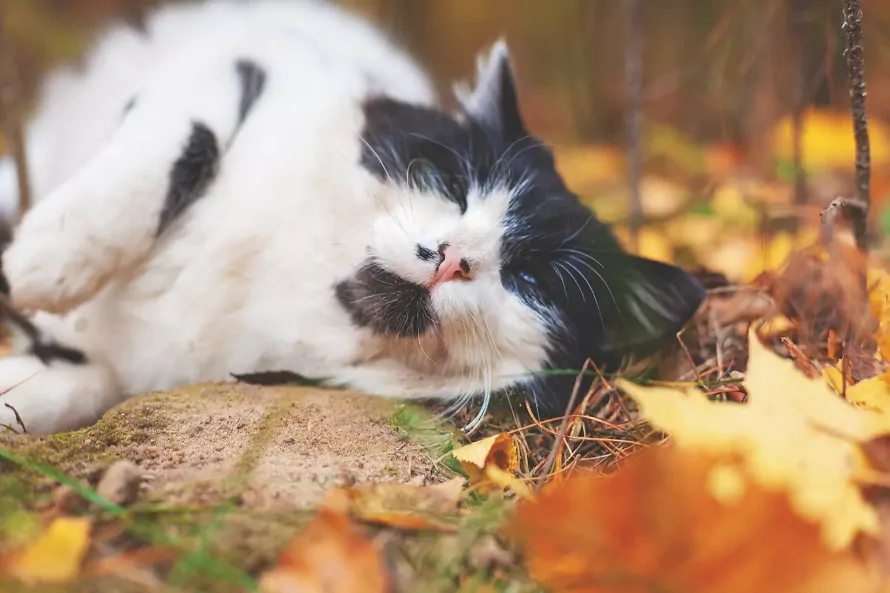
(163, 157)
(43, 398)
(48, 385)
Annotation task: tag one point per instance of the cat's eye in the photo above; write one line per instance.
(528, 278)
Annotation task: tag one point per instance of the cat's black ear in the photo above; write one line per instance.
(644, 302)
(493, 100)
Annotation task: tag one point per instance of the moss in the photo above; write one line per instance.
(263, 434)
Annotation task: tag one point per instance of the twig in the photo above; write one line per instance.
(855, 71)
(560, 438)
(633, 76)
(18, 418)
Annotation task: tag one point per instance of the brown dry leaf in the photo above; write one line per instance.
(330, 556)
(674, 520)
(490, 464)
(56, 556)
(824, 293)
(794, 435)
(402, 505)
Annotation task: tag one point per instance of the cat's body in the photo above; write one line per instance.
(268, 187)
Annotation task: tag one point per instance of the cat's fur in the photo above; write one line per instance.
(268, 186)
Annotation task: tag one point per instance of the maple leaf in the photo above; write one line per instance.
(330, 556)
(677, 520)
(56, 556)
(793, 435)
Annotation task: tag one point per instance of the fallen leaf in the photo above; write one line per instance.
(794, 435)
(330, 556)
(675, 520)
(404, 506)
(56, 556)
(490, 464)
(826, 141)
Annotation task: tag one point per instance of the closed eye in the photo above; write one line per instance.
(528, 278)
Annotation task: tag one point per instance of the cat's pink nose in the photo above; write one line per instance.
(452, 266)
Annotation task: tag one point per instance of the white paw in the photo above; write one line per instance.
(43, 399)
(51, 266)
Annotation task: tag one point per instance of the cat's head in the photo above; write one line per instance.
(481, 243)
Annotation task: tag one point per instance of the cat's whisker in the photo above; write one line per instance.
(561, 279)
(600, 276)
(562, 265)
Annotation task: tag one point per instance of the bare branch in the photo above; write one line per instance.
(633, 73)
(855, 70)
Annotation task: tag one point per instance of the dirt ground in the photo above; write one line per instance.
(287, 445)
(265, 455)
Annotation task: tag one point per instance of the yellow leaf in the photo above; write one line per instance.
(879, 301)
(56, 556)
(489, 463)
(872, 393)
(729, 202)
(827, 142)
(794, 435)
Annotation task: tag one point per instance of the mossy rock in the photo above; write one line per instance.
(232, 470)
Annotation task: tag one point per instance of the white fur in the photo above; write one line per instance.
(242, 282)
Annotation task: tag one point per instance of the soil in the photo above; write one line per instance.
(279, 447)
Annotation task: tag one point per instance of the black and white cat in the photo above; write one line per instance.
(269, 186)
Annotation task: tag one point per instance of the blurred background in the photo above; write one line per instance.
(727, 86)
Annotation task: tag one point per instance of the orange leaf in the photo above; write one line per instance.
(670, 520)
(404, 506)
(330, 556)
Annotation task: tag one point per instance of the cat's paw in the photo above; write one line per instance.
(24, 406)
(51, 267)
(44, 399)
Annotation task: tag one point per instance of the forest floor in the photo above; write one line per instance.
(752, 455)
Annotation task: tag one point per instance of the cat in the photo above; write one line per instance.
(238, 188)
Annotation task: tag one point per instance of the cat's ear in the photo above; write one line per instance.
(645, 303)
(493, 100)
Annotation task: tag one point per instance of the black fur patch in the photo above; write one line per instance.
(253, 81)
(427, 149)
(425, 253)
(385, 302)
(191, 174)
(46, 350)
